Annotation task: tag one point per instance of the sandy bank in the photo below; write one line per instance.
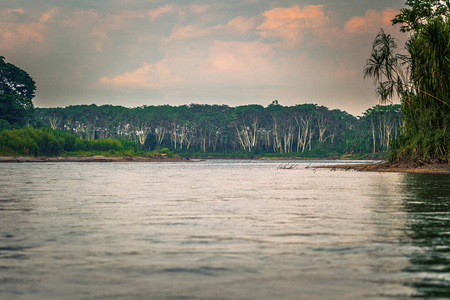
(96, 158)
(420, 168)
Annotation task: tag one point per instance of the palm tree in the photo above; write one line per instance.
(388, 68)
(421, 79)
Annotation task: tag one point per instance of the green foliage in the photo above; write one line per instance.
(419, 13)
(29, 141)
(16, 94)
(421, 79)
(47, 142)
(223, 131)
(16, 109)
(165, 151)
(4, 124)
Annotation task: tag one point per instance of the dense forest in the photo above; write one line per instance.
(306, 130)
(419, 75)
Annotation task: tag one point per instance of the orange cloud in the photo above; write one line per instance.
(291, 23)
(389, 14)
(282, 16)
(371, 20)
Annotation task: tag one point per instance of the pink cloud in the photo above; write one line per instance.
(48, 15)
(371, 20)
(18, 10)
(388, 15)
(155, 13)
(32, 34)
(155, 75)
(226, 56)
(285, 63)
(291, 23)
(282, 16)
(12, 13)
(242, 24)
(187, 32)
(236, 63)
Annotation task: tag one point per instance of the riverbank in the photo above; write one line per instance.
(95, 158)
(419, 168)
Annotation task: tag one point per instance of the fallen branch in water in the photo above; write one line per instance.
(287, 166)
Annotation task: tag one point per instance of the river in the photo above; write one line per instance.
(221, 229)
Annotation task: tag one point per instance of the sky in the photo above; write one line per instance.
(234, 52)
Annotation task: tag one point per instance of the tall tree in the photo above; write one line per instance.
(421, 79)
(16, 94)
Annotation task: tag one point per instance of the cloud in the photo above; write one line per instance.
(180, 10)
(187, 32)
(241, 24)
(371, 20)
(249, 62)
(149, 76)
(286, 16)
(229, 62)
(292, 23)
(246, 50)
(30, 31)
(235, 27)
(198, 56)
(48, 15)
(11, 14)
(388, 15)
(162, 10)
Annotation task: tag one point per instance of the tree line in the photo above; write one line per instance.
(306, 130)
(300, 130)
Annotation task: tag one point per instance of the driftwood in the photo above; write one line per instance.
(290, 166)
(287, 166)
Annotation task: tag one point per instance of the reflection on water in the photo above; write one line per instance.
(220, 230)
(427, 201)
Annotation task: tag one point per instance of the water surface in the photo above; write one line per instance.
(221, 230)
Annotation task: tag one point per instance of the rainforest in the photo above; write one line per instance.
(416, 130)
(306, 130)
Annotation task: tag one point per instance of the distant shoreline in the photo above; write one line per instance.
(95, 158)
(161, 158)
(420, 168)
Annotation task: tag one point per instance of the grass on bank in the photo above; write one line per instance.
(28, 141)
